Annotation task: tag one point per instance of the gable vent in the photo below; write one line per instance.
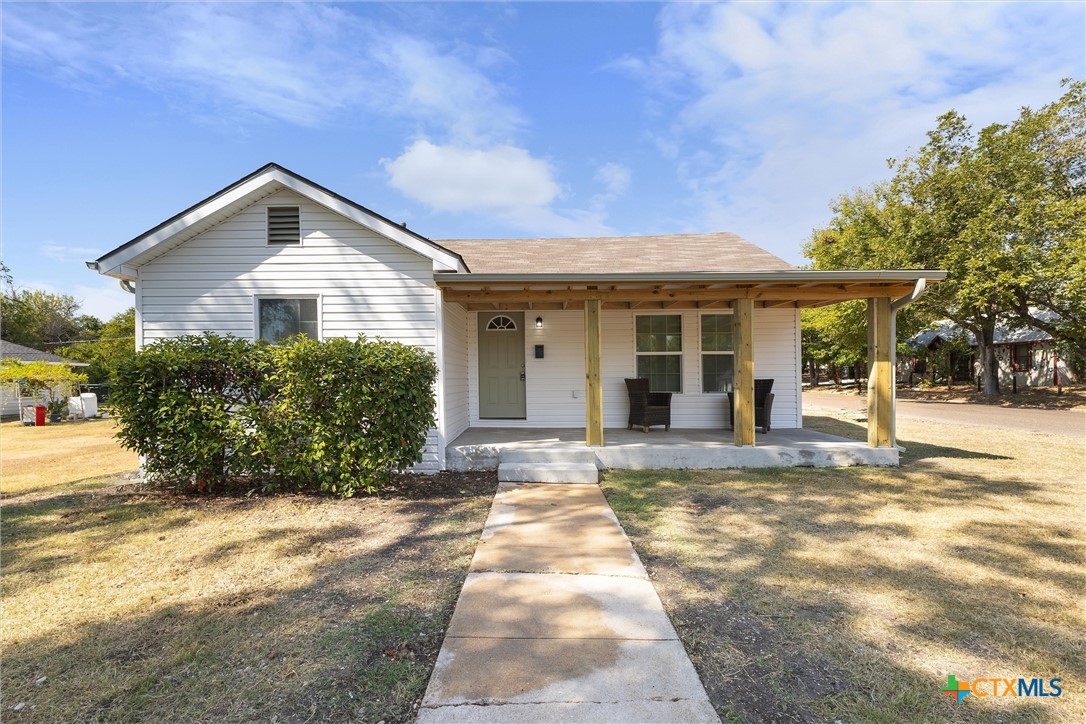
(284, 226)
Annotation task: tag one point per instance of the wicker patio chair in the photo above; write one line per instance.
(763, 405)
(647, 408)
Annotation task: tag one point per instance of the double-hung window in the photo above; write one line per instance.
(717, 353)
(280, 318)
(659, 347)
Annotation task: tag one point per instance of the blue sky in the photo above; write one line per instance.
(492, 120)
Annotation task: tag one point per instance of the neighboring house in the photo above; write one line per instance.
(1026, 355)
(10, 398)
(528, 333)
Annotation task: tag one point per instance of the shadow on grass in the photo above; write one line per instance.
(781, 585)
(915, 451)
(352, 636)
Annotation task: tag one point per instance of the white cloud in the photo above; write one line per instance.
(614, 177)
(505, 181)
(303, 63)
(779, 108)
(453, 178)
(310, 64)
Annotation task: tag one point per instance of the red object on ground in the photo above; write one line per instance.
(39, 415)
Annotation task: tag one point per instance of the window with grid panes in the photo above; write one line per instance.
(717, 353)
(658, 340)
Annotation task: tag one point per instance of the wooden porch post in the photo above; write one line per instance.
(593, 382)
(880, 373)
(743, 378)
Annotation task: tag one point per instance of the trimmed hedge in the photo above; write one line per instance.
(214, 413)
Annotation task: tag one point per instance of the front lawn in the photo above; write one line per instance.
(38, 458)
(850, 594)
(125, 604)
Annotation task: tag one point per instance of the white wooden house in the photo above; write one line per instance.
(530, 335)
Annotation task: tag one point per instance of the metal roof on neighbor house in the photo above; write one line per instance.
(668, 253)
(23, 353)
(1003, 334)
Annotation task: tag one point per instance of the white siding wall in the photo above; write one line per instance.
(555, 395)
(10, 402)
(456, 370)
(365, 283)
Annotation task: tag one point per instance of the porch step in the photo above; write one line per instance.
(532, 472)
(578, 455)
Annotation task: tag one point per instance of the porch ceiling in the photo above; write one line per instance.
(718, 290)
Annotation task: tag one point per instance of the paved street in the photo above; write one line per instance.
(1071, 423)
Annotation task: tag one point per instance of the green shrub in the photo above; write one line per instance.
(337, 416)
(346, 414)
(184, 404)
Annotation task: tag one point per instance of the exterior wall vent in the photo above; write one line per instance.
(284, 225)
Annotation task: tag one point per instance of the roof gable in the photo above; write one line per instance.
(122, 261)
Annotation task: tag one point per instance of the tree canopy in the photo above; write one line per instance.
(52, 322)
(113, 344)
(1003, 211)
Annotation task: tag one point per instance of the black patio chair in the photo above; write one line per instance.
(647, 408)
(763, 405)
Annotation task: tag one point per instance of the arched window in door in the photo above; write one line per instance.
(501, 323)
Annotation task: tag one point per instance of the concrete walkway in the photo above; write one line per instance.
(558, 622)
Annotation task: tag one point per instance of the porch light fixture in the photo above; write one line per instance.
(539, 322)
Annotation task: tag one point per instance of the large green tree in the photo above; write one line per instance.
(1003, 211)
(40, 319)
(115, 343)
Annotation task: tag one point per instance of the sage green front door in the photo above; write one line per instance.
(501, 366)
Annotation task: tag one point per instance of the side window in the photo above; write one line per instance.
(659, 346)
(717, 353)
(278, 319)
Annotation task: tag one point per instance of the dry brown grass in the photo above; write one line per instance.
(139, 606)
(38, 458)
(851, 594)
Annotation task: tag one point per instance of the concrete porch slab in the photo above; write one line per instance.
(525, 605)
(479, 448)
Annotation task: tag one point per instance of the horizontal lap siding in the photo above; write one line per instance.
(367, 284)
(456, 370)
(553, 381)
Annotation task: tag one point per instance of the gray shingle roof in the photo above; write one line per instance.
(719, 252)
(29, 354)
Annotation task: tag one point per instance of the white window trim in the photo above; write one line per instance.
(256, 311)
(681, 354)
(702, 352)
(267, 227)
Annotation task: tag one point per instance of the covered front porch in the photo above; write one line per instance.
(483, 448)
(770, 298)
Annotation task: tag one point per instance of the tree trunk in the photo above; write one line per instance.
(989, 365)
